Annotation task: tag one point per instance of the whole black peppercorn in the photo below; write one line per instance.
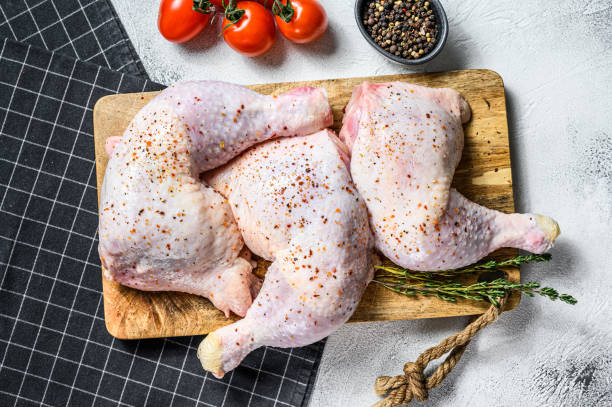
(405, 28)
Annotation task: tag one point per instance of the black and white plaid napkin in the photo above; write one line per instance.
(88, 30)
(54, 347)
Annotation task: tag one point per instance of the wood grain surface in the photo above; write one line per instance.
(484, 176)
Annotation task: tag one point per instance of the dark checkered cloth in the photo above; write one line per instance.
(88, 30)
(54, 347)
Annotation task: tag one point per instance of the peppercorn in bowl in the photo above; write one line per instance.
(410, 32)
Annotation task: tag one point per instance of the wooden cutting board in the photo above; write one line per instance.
(484, 176)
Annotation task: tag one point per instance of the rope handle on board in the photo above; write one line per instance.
(413, 384)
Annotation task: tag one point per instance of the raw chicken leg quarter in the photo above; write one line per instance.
(161, 228)
(296, 206)
(406, 142)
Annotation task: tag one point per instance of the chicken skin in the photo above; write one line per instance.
(405, 142)
(295, 206)
(160, 227)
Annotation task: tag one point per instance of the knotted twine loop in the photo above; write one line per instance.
(413, 384)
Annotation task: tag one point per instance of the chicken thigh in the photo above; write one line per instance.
(296, 206)
(161, 228)
(406, 142)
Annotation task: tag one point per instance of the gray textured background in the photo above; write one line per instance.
(556, 62)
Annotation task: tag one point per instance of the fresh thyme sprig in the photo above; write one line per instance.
(441, 284)
(487, 265)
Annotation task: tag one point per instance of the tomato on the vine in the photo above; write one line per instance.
(249, 28)
(221, 4)
(300, 21)
(178, 22)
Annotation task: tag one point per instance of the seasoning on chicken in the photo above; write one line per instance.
(296, 206)
(406, 142)
(161, 228)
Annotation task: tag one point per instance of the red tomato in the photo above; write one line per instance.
(177, 21)
(308, 23)
(254, 34)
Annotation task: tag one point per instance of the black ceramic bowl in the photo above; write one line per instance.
(442, 33)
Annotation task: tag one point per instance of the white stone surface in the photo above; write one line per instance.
(556, 61)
